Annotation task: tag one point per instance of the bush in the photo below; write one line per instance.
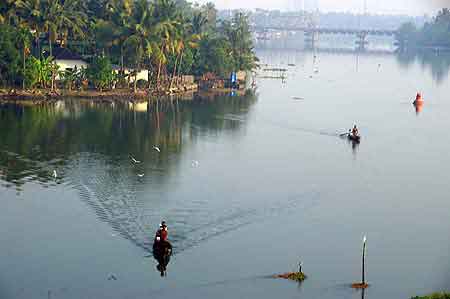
(100, 73)
(141, 83)
(39, 72)
(73, 78)
(10, 58)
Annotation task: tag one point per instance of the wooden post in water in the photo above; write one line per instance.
(362, 284)
(363, 281)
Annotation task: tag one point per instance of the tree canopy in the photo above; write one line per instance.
(167, 37)
(433, 34)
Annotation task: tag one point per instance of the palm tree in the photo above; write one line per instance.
(139, 39)
(166, 28)
(211, 14)
(7, 12)
(198, 22)
(24, 39)
(186, 37)
(30, 11)
(70, 20)
(61, 18)
(239, 35)
(122, 19)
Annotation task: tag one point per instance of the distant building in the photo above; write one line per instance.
(68, 60)
(141, 75)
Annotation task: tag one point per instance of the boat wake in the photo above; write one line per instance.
(133, 209)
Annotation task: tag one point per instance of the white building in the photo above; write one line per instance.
(67, 60)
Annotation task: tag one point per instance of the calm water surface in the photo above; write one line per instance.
(248, 185)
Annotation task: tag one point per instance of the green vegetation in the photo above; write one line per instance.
(168, 38)
(40, 72)
(9, 55)
(295, 276)
(434, 296)
(100, 73)
(435, 34)
(298, 276)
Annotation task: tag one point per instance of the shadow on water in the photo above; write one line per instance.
(437, 63)
(89, 144)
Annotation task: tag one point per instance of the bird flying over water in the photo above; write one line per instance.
(134, 160)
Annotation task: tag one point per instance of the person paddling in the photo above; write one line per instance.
(162, 233)
(355, 131)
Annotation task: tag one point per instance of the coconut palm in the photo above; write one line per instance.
(7, 12)
(166, 29)
(138, 42)
(185, 37)
(31, 12)
(70, 21)
(24, 38)
(61, 18)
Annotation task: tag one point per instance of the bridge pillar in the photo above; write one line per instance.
(311, 38)
(361, 41)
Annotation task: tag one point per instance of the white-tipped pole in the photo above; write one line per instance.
(363, 260)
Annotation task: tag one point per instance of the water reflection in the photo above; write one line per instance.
(162, 251)
(418, 107)
(89, 144)
(437, 63)
(355, 146)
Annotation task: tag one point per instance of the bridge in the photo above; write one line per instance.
(320, 30)
(312, 33)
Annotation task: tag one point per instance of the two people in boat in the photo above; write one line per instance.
(162, 232)
(162, 249)
(354, 132)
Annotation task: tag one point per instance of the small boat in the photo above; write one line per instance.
(419, 100)
(354, 138)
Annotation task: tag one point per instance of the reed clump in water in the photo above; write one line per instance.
(295, 276)
(434, 296)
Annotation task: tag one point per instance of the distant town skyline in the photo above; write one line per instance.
(410, 7)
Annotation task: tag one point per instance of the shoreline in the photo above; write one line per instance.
(37, 97)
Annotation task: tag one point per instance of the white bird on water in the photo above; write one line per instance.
(141, 175)
(134, 160)
(157, 149)
(55, 175)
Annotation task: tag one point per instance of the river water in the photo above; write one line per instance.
(249, 185)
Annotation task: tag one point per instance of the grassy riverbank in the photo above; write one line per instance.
(29, 97)
(434, 296)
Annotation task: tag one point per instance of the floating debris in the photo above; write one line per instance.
(295, 276)
(55, 175)
(360, 285)
(112, 277)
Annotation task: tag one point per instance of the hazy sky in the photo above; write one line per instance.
(412, 7)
